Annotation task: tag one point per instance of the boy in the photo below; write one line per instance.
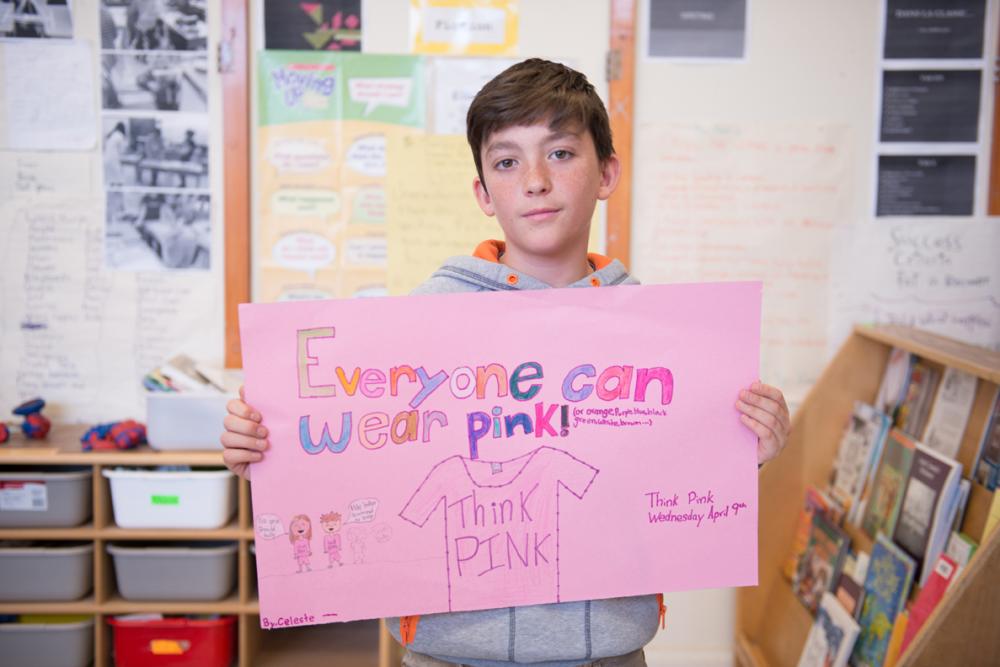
(542, 145)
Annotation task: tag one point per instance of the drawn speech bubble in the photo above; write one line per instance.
(381, 91)
(367, 155)
(303, 156)
(305, 202)
(304, 293)
(304, 251)
(362, 510)
(370, 251)
(269, 526)
(369, 205)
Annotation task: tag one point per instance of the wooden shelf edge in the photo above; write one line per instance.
(116, 604)
(87, 605)
(84, 533)
(945, 351)
(230, 531)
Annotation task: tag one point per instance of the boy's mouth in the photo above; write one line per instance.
(540, 214)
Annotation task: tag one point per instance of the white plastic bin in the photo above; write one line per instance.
(188, 571)
(185, 421)
(172, 499)
(35, 572)
(47, 496)
(47, 644)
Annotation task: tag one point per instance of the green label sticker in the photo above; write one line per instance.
(166, 500)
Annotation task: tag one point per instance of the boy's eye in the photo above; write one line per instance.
(506, 163)
(561, 154)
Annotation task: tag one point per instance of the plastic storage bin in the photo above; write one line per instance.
(47, 644)
(173, 642)
(185, 421)
(172, 499)
(49, 496)
(193, 571)
(33, 572)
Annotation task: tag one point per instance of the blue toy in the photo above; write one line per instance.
(35, 425)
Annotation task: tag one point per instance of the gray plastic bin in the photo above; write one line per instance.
(48, 571)
(45, 496)
(185, 571)
(47, 644)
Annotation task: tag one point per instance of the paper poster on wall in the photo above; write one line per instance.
(464, 27)
(36, 18)
(941, 276)
(456, 82)
(324, 120)
(319, 25)
(748, 202)
(48, 96)
(80, 335)
(696, 29)
(155, 129)
(432, 213)
(413, 470)
(922, 29)
(940, 105)
(924, 185)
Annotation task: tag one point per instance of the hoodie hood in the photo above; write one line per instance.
(482, 272)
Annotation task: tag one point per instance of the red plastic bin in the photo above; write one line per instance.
(174, 642)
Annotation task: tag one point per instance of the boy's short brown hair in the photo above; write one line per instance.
(532, 91)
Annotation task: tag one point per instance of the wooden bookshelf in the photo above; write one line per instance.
(364, 644)
(771, 623)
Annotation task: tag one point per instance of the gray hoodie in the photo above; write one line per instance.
(564, 634)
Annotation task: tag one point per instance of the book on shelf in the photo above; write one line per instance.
(950, 412)
(986, 470)
(942, 574)
(896, 639)
(887, 585)
(911, 416)
(960, 549)
(832, 636)
(849, 593)
(816, 500)
(895, 379)
(929, 502)
(886, 493)
(859, 450)
(961, 503)
(821, 562)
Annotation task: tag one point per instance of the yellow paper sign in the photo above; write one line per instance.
(464, 27)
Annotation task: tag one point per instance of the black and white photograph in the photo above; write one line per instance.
(36, 18)
(153, 25)
(154, 82)
(158, 152)
(151, 230)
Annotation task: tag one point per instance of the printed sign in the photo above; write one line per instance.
(469, 451)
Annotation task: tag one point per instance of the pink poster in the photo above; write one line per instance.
(468, 451)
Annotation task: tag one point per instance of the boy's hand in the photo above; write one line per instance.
(245, 438)
(766, 414)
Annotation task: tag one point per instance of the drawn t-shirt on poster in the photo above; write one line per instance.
(501, 524)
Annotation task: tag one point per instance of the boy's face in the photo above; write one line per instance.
(542, 186)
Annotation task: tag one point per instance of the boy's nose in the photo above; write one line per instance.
(536, 181)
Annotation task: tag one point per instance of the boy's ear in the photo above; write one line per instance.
(611, 171)
(483, 197)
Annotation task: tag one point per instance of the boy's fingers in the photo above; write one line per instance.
(762, 416)
(771, 392)
(243, 426)
(232, 440)
(768, 405)
(234, 457)
(759, 429)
